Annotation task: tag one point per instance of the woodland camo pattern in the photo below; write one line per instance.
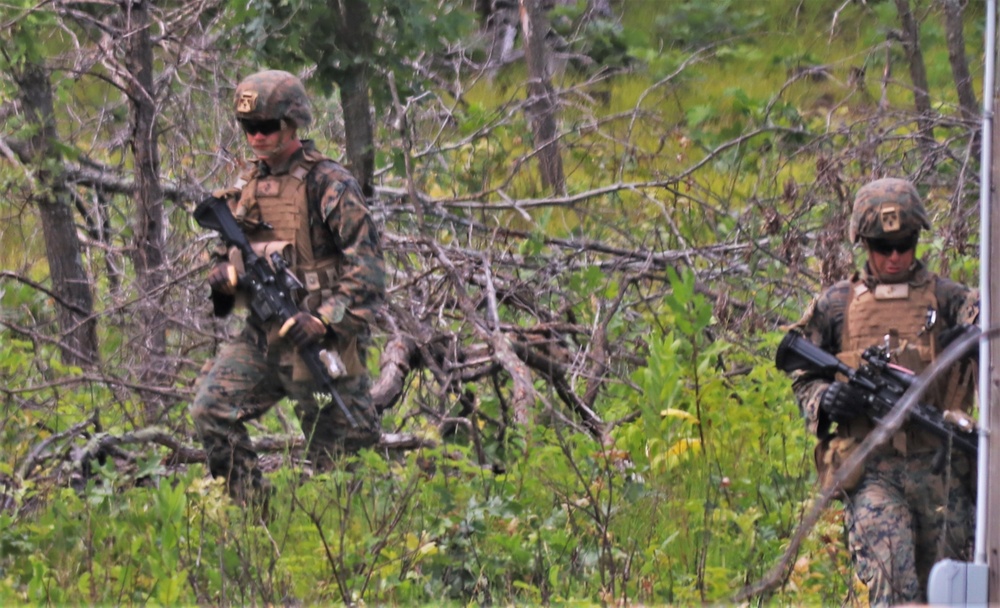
(907, 512)
(272, 95)
(887, 208)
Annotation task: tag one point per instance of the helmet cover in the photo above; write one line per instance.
(887, 208)
(273, 95)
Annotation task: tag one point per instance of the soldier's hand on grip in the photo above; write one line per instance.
(841, 402)
(223, 278)
(303, 329)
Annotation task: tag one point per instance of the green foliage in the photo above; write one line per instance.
(25, 46)
(305, 33)
(695, 496)
(726, 461)
(692, 24)
(602, 41)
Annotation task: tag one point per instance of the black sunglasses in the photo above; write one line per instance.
(886, 247)
(264, 127)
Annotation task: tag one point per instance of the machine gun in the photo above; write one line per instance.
(271, 288)
(882, 383)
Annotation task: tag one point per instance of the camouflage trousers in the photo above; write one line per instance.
(242, 383)
(902, 518)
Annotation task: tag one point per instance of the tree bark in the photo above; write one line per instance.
(149, 240)
(500, 26)
(541, 107)
(955, 35)
(354, 31)
(918, 72)
(360, 137)
(75, 313)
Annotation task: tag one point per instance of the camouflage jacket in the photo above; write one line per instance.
(822, 324)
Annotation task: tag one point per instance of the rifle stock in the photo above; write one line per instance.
(882, 383)
(271, 290)
(797, 353)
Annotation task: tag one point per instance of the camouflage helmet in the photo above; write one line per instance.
(273, 95)
(887, 208)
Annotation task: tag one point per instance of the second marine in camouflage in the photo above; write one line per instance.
(907, 508)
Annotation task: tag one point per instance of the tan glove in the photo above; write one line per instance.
(303, 329)
(223, 278)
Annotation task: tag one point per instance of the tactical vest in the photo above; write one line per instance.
(902, 316)
(278, 213)
(280, 201)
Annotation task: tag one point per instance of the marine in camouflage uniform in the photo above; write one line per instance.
(308, 208)
(912, 503)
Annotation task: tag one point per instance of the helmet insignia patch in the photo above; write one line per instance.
(890, 218)
(246, 102)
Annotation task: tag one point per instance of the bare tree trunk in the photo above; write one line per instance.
(358, 128)
(918, 72)
(62, 245)
(958, 229)
(150, 219)
(542, 106)
(355, 32)
(959, 63)
(500, 26)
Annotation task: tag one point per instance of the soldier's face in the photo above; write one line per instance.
(272, 146)
(891, 258)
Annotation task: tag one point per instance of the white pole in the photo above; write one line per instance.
(985, 171)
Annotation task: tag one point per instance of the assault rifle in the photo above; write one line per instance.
(270, 290)
(883, 384)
